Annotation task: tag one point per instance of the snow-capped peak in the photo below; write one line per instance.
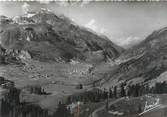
(46, 10)
(30, 15)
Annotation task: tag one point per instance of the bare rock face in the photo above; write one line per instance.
(49, 37)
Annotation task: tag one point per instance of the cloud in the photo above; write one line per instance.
(73, 19)
(129, 41)
(91, 24)
(25, 7)
(103, 30)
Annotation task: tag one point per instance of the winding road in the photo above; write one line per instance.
(94, 114)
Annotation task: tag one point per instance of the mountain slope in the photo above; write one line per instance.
(46, 36)
(142, 63)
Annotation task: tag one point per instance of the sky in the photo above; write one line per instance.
(124, 23)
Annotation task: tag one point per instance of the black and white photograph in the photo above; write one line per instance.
(83, 58)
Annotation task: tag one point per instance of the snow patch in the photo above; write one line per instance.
(30, 15)
(46, 10)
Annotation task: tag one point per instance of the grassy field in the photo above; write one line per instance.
(58, 79)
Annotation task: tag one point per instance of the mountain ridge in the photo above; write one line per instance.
(70, 41)
(145, 61)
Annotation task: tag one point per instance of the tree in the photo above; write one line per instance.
(62, 111)
(110, 93)
(122, 91)
(79, 86)
(115, 91)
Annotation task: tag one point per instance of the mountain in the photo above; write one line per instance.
(55, 61)
(46, 36)
(143, 63)
(51, 51)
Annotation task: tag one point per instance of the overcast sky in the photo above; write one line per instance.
(124, 23)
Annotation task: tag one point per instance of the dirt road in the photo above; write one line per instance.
(94, 114)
